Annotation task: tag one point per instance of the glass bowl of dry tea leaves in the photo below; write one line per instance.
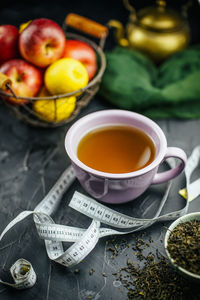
(182, 245)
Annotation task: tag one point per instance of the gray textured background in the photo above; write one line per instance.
(31, 160)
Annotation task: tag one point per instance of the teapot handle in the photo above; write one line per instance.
(185, 8)
(131, 9)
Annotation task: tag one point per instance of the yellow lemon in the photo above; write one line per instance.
(54, 110)
(65, 75)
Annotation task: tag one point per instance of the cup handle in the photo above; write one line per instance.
(103, 190)
(174, 172)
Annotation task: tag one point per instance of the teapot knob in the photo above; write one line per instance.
(161, 3)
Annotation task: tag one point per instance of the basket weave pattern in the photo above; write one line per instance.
(25, 112)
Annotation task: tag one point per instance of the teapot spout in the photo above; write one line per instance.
(119, 32)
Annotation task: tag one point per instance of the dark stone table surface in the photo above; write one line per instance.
(32, 159)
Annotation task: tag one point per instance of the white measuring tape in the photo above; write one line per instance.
(84, 240)
(23, 275)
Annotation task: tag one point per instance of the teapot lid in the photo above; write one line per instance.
(159, 18)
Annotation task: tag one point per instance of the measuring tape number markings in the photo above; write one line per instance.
(84, 240)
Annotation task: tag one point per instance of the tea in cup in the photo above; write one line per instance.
(116, 149)
(116, 154)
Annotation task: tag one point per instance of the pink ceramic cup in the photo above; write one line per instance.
(121, 188)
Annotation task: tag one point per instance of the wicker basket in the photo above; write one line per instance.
(25, 112)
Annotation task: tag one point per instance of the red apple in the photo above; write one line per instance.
(42, 42)
(26, 79)
(8, 42)
(84, 53)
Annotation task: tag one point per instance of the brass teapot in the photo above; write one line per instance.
(155, 31)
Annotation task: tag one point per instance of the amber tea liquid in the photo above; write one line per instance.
(116, 149)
